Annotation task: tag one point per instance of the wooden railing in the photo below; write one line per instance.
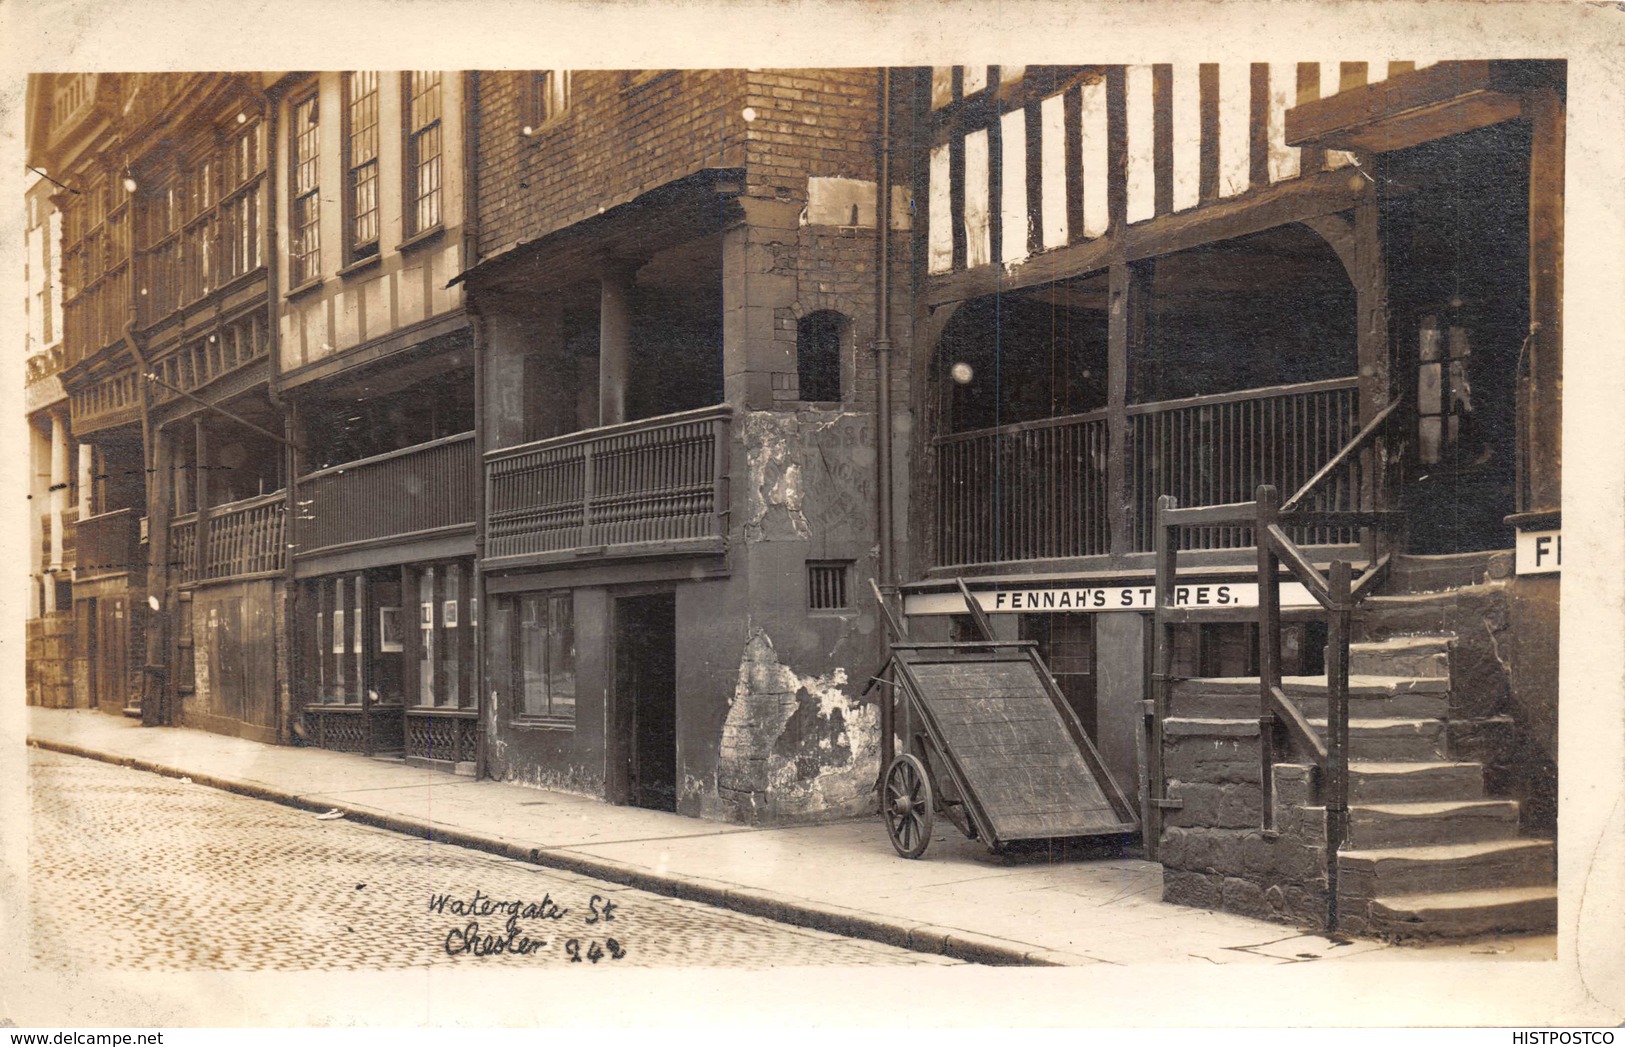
(1214, 450)
(415, 491)
(1366, 458)
(246, 537)
(658, 483)
(1031, 491)
(109, 543)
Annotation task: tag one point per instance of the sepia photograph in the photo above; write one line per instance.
(1098, 517)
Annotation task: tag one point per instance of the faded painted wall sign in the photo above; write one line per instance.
(1102, 598)
(1539, 552)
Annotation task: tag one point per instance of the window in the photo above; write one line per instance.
(544, 657)
(304, 218)
(361, 163)
(818, 355)
(240, 211)
(422, 163)
(549, 97)
(827, 588)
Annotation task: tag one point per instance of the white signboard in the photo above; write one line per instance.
(1057, 600)
(1539, 552)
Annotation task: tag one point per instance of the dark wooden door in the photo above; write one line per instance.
(646, 692)
(111, 652)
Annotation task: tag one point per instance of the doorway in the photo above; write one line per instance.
(1456, 238)
(646, 698)
(1066, 643)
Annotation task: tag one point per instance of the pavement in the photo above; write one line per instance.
(960, 901)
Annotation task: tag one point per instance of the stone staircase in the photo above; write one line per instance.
(1427, 852)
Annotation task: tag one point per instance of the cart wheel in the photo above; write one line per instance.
(908, 806)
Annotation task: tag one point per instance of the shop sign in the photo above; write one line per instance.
(1539, 552)
(1072, 599)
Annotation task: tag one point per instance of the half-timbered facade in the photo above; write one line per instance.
(1187, 281)
(376, 374)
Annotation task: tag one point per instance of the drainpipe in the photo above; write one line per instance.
(883, 428)
(883, 344)
(484, 706)
(484, 698)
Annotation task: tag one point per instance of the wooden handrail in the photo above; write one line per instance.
(1242, 395)
(404, 452)
(1022, 427)
(1298, 725)
(1341, 458)
(700, 414)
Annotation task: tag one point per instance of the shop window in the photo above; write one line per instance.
(357, 638)
(819, 337)
(543, 655)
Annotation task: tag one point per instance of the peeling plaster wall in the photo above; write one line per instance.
(794, 747)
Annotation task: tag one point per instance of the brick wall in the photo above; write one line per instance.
(621, 134)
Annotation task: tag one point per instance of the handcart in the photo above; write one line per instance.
(992, 745)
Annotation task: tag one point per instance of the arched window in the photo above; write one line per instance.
(818, 355)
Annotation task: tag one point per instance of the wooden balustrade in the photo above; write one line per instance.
(109, 543)
(414, 491)
(656, 483)
(1214, 450)
(246, 537)
(1037, 490)
(1023, 492)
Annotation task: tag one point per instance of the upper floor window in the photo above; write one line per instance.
(361, 164)
(423, 148)
(304, 217)
(549, 97)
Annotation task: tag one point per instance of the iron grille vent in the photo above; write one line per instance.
(827, 585)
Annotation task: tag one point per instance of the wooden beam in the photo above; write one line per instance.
(1412, 107)
(1291, 201)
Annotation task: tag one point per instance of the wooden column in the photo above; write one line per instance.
(1541, 373)
(59, 487)
(1119, 301)
(87, 480)
(200, 530)
(614, 340)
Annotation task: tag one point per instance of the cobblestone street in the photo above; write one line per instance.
(137, 871)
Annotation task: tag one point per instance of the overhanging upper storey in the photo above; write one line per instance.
(1036, 170)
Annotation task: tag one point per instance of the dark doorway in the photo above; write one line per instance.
(1456, 238)
(646, 697)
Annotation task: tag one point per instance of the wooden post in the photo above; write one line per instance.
(1167, 543)
(362, 632)
(200, 486)
(1337, 724)
(1541, 432)
(614, 340)
(1269, 643)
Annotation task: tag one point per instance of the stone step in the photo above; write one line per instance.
(1413, 573)
(1414, 782)
(1440, 868)
(1459, 914)
(1414, 656)
(1380, 825)
(1391, 740)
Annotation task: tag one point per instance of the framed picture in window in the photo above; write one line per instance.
(426, 614)
(448, 614)
(390, 639)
